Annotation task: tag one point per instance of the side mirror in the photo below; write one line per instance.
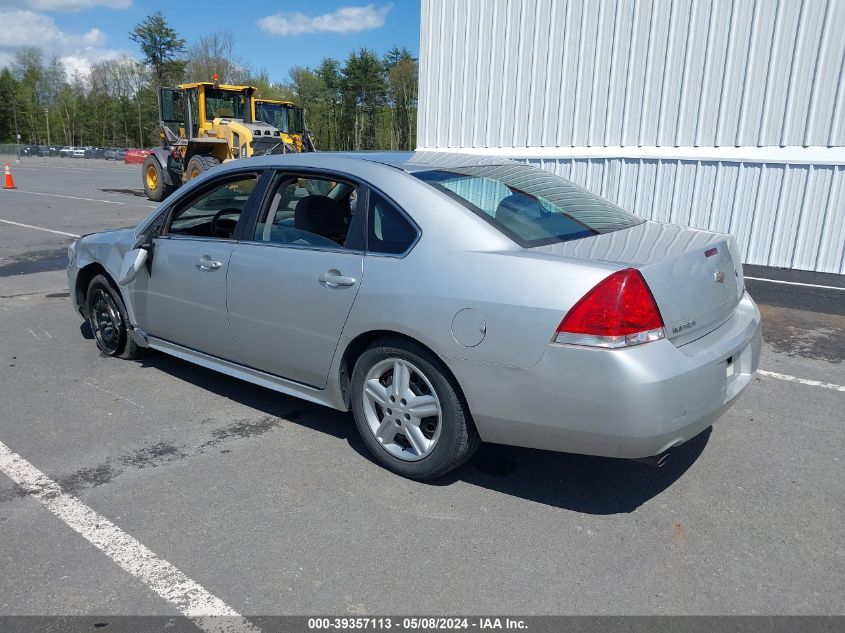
(134, 260)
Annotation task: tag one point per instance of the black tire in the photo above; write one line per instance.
(198, 164)
(458, 437)
(108, 320)
(152, 174)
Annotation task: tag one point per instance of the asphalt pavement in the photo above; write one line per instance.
(273, 506)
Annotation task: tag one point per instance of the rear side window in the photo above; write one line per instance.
(311, 211)
(388, 231)
(529, 205)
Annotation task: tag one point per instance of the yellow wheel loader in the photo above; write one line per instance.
(202, 125)
(287, 118)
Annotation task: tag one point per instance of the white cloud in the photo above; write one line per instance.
(71, 5)
(27, 28)
(343, 20)
(80, 64)
(94, 37)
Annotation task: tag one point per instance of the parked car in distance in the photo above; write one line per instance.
(66, 151)
(120, 154)
(109, 154)
(136, 156)
(78, 152)
(445, 300)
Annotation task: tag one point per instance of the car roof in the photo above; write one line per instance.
(406, 161)
(425, 161)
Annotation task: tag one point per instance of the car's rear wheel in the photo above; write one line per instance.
(409, 412)
(109, 321)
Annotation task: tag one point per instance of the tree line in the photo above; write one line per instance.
(363, 102)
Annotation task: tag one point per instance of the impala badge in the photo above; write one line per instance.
(719, 277)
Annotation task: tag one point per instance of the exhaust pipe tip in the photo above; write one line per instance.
(658, 461)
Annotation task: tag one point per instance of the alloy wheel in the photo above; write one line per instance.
(402, 409)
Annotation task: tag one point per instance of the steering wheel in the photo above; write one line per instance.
(224, 228)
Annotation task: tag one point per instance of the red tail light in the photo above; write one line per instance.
(619, 311)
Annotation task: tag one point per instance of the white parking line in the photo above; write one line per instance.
(39, 228)
(103, 168)
(792, 283)
(803, 381)
(57, 195)
(167, 581)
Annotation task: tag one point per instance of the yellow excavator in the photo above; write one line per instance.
(204, 124)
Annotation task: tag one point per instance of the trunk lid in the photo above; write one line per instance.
(695, 276)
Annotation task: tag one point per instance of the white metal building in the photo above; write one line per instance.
(720, 114)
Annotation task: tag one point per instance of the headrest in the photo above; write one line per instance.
(521, 205)
(320, 215)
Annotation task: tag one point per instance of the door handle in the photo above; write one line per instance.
(333, 279)
(206, 264)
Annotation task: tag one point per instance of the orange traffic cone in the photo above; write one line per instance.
(9, 184)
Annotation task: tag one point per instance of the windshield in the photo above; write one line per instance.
(223, 104)
(284, 117)
(275, 114)
(529, 205)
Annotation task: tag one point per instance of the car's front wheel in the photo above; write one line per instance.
(409, 412)
(109, 321)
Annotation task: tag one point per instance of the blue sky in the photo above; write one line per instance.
(273, 35)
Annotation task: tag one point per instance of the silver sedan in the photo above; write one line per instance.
(445, 300)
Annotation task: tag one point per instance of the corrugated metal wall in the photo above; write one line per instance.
(552, 73)
(657, 73)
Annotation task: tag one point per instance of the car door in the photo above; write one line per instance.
(295, 274)
(181, 298)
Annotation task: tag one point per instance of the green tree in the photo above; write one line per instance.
(402, 88)
(364, 90)
(332, 98)
(161, 46)
(27, 67)
(8, 89)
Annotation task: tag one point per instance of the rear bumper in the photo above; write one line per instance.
(634, 402)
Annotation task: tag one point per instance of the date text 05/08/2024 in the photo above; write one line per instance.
(416, 623)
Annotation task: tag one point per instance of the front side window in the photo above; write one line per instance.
(172, 108)
(530, 205)
(311, 211)
(193, 106)
(295, 120)
(216, 211)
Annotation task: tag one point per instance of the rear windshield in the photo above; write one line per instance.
(529, 205)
